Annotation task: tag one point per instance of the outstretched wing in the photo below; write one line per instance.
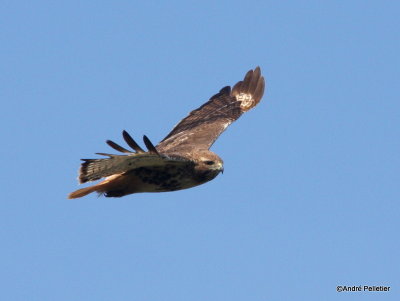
(204, 125)
(94, 169)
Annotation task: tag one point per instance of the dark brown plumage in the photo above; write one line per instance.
(182, 159)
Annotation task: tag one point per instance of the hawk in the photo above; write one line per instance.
(182, 159)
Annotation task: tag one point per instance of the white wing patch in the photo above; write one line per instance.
(247, 101)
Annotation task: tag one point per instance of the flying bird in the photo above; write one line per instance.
(182, 159)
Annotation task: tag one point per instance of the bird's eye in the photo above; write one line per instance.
(209, 162)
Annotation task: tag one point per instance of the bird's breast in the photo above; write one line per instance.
(166, 178)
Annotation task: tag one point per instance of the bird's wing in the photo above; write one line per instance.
(203, 126)
(94, 169)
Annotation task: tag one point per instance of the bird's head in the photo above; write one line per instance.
(207, 165)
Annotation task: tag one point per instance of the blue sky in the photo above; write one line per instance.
(309, 199)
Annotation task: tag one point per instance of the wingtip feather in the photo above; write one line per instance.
(131, 142)
(252, 86)
(117, 147)
(149, 145)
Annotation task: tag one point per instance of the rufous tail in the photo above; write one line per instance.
(82, 192)
(112, 183)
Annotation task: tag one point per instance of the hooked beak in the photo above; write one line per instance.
(220, 167)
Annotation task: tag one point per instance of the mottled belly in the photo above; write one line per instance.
(166, 178)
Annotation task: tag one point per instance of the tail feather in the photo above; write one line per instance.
(113, 186)
(99, 187)
(82, 192)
